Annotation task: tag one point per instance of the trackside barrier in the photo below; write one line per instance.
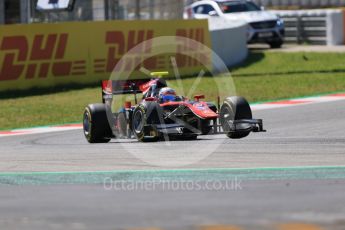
(46, 55)
(302, 3)
(229, 40)
(323, 27)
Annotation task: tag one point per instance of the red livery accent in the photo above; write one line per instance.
(200, 109)
(145, 87)
(198, 97)
(107, 86)
(150, 99)
(128, 105)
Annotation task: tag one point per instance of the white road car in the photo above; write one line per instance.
(263, 26)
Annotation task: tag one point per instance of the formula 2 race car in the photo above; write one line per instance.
(162, 115)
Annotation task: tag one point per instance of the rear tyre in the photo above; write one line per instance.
(148, 113)
(234, 108)
(95, 124)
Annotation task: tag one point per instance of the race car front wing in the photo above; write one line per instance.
(246, 125)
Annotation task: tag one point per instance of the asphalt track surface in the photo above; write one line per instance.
(294, 173)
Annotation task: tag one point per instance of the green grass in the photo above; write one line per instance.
(278, 63)
(289, 86)
(264, 76)
(58, 108)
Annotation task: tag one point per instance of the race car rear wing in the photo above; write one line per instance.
(111, 87)
(122, 87)
(118, 87)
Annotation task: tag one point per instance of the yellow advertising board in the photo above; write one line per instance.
(45, 55)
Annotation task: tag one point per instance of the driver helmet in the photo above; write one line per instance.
(167, 94)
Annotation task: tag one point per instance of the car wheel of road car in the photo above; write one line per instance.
(95, 124)
(145, 114)
(234, 108)
(190, 137)
(276, 44)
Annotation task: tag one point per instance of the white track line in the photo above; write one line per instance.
(298, 101)
(48, 129)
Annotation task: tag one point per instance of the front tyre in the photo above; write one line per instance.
(95, 124)
(234, 108)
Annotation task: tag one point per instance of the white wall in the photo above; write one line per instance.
(229, 40)
(335, 28)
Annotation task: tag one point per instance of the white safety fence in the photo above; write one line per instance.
(322, 27)
(302, 3)
(294, 3)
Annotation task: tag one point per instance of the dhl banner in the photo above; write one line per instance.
(45, 55)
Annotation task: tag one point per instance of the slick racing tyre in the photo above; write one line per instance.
(234, 108)
(147, 113)
(95, 124)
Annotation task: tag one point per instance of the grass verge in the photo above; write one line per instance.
(264, 76)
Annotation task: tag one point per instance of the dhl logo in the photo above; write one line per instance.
(44, 56)
(120, 43)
